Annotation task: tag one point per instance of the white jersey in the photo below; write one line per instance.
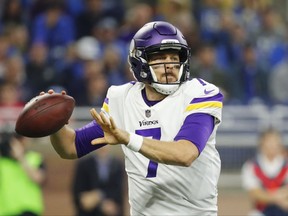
(172, 190)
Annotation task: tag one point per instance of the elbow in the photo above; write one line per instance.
(187, 161)
(65, 151)
(67, 155)
(188, 158)
(184, 160)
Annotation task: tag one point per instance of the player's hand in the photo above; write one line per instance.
(51, 91)
(112, 134)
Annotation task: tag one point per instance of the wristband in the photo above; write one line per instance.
(135, 142)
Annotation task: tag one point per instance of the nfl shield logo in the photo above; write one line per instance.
(148, 113)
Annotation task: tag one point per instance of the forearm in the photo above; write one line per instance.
(64, 142)
(181, 152)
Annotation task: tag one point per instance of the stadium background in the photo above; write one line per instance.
(236, 141)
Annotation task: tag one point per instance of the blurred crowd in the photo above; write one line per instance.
(81, 46)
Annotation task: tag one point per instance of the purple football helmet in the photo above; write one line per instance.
(157, 37)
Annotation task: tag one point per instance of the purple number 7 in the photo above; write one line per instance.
(155, 133)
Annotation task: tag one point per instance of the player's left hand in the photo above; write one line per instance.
(112, 134)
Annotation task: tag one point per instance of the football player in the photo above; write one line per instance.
(166, 123)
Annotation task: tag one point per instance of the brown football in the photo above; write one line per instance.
(44, 115)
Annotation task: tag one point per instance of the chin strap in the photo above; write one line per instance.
(165, 89)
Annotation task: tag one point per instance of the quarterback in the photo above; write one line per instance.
(165, 122)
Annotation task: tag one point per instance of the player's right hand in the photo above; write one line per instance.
(112, 134)
(51, 91)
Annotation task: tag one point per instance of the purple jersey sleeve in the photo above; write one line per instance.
(85, 135)
(197, 128)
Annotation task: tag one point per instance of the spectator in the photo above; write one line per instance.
(278, 79)
(19, 40)
(15, 74)
(248, 15)
(250, 78)
(265, 177)
(4, 50)
(74, 7)
(22, 175)
(12, 13)
(204, 66)
(171, 9)
(223, 44)
(115, 9)
(40, 74)
(88, 48)
(95, 84)
(187, 25)
(239, 38)
(270, 40)
(100, 192)
(106, 32)
(10, 104)
(135, 17)
(209, 21)
(10, 95)
(96, 89)
(74, 77)
(54, 28)
(92, 13)
(114, 66)
(14, 70)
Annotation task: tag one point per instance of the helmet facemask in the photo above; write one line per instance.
(166, 86)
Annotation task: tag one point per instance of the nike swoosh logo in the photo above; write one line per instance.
(208, 91)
